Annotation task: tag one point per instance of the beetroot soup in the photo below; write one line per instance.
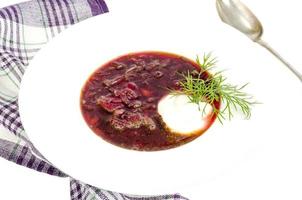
(120, 100)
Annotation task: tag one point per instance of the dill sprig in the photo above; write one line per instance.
(213, 89)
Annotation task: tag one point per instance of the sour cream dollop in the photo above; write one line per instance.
(183, 117)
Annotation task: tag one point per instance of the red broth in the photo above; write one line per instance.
(119, 101)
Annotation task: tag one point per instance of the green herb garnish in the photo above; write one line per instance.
(213, 89)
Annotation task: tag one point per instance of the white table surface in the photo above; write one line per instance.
(282, 24)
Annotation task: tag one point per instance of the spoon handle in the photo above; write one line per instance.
(275, 53)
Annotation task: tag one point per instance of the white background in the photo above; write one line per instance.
(282, 22)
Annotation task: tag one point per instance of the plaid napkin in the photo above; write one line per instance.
(24, 29)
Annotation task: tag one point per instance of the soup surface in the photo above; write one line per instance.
(119, 101)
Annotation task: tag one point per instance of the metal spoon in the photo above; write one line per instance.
(237, 15)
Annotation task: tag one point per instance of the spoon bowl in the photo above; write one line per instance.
(237, 15)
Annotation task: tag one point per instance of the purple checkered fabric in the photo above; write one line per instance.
(24, 29)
